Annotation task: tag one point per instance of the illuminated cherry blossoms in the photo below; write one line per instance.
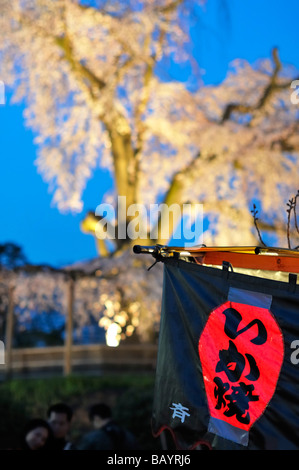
(122, 297)
(94, 80)
(91, 79)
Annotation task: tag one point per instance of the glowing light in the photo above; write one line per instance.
(112, 335)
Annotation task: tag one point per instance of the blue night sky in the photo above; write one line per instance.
(231, 29)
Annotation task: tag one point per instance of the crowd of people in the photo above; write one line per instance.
(53, 432)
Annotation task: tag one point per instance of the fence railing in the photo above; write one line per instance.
(94, 358)
(69, 357)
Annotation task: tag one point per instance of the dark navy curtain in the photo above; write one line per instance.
(227, 368)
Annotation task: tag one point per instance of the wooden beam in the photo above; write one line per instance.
(250, 261)
(69, 329)
(9, 332)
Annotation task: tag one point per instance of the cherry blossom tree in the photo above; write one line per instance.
(119, 294)
(93, 78)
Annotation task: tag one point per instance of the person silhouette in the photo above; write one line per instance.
(107, 433)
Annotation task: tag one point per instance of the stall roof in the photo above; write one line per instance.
(272, 262)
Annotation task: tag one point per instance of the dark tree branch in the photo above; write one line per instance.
(255, 219)
(272, 87)
(291, 204)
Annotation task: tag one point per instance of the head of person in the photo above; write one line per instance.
(99, 414)
(36, 434)
(59, 417)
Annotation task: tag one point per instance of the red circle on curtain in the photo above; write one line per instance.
(241, 352)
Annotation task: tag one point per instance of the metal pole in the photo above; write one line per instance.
(9, 332)
(69, 329)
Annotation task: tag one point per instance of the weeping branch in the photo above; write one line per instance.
(255, 219)
(291, 210)
(291, 204)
